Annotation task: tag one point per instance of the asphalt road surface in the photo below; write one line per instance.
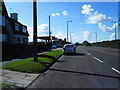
(89, 68)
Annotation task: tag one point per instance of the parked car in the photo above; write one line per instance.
(69, 48)
(59, 45)
(54, 46)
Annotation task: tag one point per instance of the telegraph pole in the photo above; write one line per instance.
(89, 37)
(67, 30)
(96, 36)
(35, 30)
(115, 28)
(49, 29)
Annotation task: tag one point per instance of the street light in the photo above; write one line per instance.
(115, 28)
(96, 36)
(70, 37)
(67, 29)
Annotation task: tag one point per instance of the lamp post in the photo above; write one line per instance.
(96, 36)
(115, 28)
(67, 29)
(71, 37)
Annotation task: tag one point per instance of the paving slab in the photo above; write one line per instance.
(17, 79)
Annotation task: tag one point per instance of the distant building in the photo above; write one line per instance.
(11, 30)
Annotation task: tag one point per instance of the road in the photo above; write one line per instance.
(89, 68)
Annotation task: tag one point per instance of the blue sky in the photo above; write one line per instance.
(87, 18)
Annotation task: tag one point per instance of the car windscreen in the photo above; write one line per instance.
(69, 46)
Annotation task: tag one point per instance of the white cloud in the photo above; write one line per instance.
(94, 17)
(97, 18)
(65, 13)
(59, 34)
(112, 36)
(107, 29)
(55, 14)
(86, 35)
(86, 9)
(42, 30)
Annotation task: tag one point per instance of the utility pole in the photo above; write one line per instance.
(35, 29)
(49, 29)
(71, 37)
(89, 37)
(96, 36)
(115, 28)
(115, 31)
(67, 29)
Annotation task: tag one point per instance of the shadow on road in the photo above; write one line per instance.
(75, 54)
(85, 73)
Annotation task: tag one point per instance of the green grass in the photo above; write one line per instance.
(55, 53)
(28, 65)
(5, 85)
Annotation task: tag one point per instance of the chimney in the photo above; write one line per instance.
(14, 16)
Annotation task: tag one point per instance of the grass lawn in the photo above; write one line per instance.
(29, 66)
(55, 53)
(5, 85)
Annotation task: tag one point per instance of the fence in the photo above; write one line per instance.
(21, 51)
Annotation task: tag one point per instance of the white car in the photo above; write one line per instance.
(69, 48)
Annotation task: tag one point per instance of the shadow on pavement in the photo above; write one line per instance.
(74, 54)
(84, 73)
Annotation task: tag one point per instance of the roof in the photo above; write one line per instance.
(12, 22)
(46, 37)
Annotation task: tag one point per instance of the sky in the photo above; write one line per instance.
(88, 18)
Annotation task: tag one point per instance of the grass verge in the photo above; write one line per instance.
(5, 85)
(29, 66)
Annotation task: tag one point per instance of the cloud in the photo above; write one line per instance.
(86, 9)
(107, 29)
(55, 14)
(112, 36)
(94, 17)
(97, 18)
(86, 35)
(59, 34)
(65, 13)
(42, 30)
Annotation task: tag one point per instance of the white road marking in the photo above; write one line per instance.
(115, 70)
(85, 51)
(60, 57)
(98, 59)
(88, 53)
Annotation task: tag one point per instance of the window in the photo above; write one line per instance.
(2, 20)
(4, 37)
(24, 29)
(16, 27)
(0, 6)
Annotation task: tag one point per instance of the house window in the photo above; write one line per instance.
(16, 27)
(4, 37)
(2, 20)
(24, 29)
(0, 6)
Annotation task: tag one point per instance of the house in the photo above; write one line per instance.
(11, 30)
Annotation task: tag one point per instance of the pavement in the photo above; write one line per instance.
(17, 79)
(89, 68)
